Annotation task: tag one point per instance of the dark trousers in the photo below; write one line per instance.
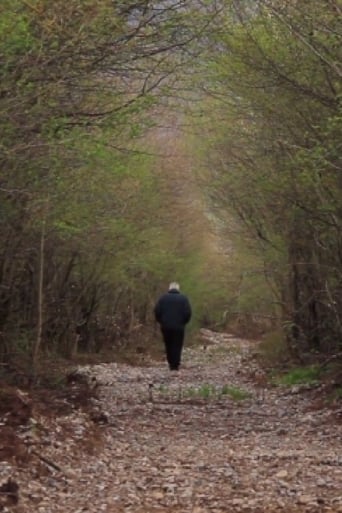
(173, 340)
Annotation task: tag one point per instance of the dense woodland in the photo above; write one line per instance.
(143, 142)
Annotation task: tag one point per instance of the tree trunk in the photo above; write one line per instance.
(38, 341)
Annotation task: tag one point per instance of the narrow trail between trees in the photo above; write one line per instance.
(207, 440)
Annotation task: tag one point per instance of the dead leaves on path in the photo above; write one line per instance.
(180, 445)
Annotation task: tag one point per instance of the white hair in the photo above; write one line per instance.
(174, 286)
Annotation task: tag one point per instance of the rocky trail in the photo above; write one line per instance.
(214, 438)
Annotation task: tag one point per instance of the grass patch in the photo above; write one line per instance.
(299, 375)
(208, 391)
(224, 349)
(162, 389)
(205, 391)
(237, 394)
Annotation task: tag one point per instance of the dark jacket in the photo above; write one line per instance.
(173, 310)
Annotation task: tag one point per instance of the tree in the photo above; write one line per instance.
(275, 86)
(79, 82)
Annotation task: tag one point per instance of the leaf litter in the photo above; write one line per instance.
(160, 442)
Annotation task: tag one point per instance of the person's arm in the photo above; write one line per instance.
(157, 311)
(187, 311)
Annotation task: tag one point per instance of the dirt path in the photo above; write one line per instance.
(204, 441)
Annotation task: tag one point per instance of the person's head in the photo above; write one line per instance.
(174, 286)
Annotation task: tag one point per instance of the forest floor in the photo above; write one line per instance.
(212, 438)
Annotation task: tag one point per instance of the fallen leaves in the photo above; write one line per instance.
(149, 446)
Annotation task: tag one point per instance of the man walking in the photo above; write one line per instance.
(173, 312)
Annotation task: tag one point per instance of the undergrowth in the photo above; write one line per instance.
(300, 375)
